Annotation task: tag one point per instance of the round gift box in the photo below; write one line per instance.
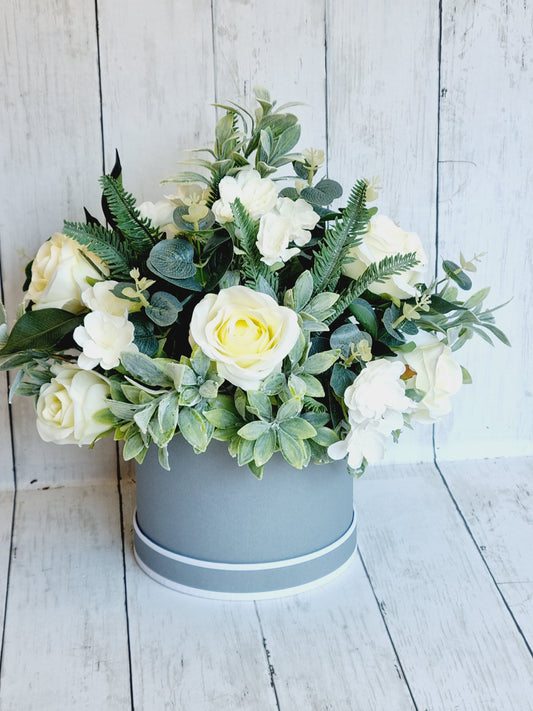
(210, 528)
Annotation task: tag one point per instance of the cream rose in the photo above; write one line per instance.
(67, 404)
(289, 221)
(385, 239)
(258, 195)
(59, 274)
(159, 213)
(436, 374)
(246, 333)
(364, 441)
(102, 338)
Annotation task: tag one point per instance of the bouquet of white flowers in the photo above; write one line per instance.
(247, 307)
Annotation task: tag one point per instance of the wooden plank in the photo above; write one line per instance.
(458, 645)
(329, 648)
(260, 43)
(157, 88)
(6, 513)
(486, 103)
(51, 161)
(187, 652)
(495, 498)
(65, 643)
(382, 120)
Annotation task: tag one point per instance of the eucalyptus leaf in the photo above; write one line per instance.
(164, 308)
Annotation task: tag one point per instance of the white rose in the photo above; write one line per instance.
(376, 402)
(59, 274)
(385, 239)
(302, 217)
(258, 195)
(378, 393)
(363, 441)
(67, 404)
(436, 374)
(273, 239)
(289, 221)
(102, 339)
(100, 298)
(245, 332)
(160, 213)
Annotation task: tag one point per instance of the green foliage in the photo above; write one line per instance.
(138, 233)
(107, 244)
(340, 239)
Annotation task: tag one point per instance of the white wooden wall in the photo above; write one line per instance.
(435, 100)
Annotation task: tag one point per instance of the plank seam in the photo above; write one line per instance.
(389, 635)
(271, 670)
(480, 552)
(326, 97)
(214, 45)
(124, 575)
(8, 578)
(437, 176)
(100, 93)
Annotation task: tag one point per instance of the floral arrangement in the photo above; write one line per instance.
(246, 308)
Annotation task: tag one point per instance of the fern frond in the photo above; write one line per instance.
(252, 266)
(106, 244)
(387, 267)
(338, 240)
(137, 231)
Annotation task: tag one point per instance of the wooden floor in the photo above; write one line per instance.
(435, 613)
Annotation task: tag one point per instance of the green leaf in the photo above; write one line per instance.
(365, 315)
(259, 404)
(253, 430)
(145, 369)
(273, 384)
(467, 378)
(455, 272)
(143, 416)
(292, 449)
(320, 362)
(167, 413)
(313, 386)
(164, 308)
(172, 259)
(298, 428)
(222, 419)
(264, 447)
(124, 214)
(325, 436)
(133, 446)
(144, 337)
(296, 386)
(340, 379)
(323, 193)
(193, 428)
(245, 451)
(41, 329)
(303, 290)
(108, 245)
(289, 409)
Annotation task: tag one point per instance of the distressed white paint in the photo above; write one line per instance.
(382, 121)
(65, 643)
(50, 163)
(157, 87)
(485, 206)
(458, 644)
(330, 650)
(499, 515)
